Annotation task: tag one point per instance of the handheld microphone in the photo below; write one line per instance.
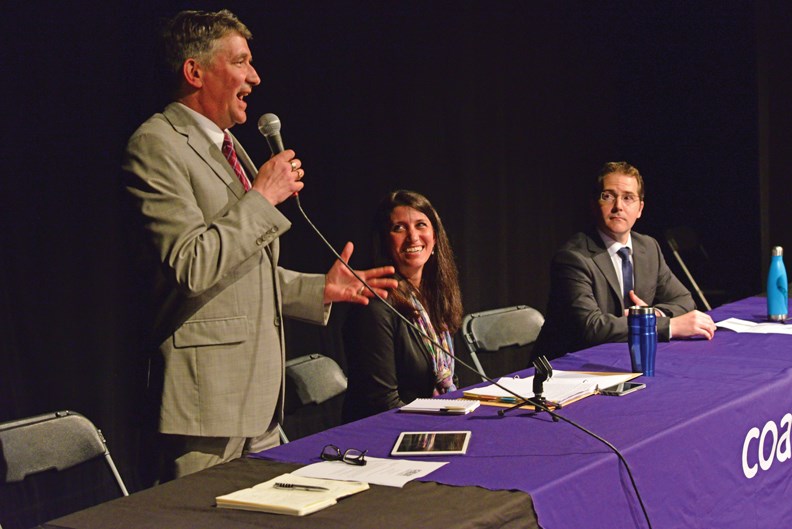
(269, 125)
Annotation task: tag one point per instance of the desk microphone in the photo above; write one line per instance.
(543, 371)
(269, 125)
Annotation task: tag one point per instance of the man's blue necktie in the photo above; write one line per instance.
(627, 274)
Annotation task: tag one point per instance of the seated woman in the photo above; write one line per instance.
(390, 363)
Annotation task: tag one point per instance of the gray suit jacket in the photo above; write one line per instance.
(586, 307)
(219, 292)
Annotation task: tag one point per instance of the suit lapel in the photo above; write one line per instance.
(603, 260)
(199, 142)
(640, 265)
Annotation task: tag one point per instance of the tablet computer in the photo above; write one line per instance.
(431, 443)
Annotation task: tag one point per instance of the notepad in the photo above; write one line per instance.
(265, 497)
(441, 406)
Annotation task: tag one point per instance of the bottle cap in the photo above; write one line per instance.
(638, 311)
(777, 250)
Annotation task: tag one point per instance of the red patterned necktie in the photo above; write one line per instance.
(230, 154)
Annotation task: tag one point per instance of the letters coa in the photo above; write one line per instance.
(761, 448)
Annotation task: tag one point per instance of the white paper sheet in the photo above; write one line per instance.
(388, 472)
(737, 325)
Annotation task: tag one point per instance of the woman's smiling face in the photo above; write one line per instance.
(412, 241)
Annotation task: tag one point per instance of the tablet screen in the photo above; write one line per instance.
(431, 443)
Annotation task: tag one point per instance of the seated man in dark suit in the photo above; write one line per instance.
(595, 276)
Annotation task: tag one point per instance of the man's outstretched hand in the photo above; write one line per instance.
(341, 285)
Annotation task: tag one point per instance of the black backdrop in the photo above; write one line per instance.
(500, 112)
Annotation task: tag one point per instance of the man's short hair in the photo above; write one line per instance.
(620, 168)
(193, 34)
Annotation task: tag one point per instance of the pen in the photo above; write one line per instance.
(298, 486)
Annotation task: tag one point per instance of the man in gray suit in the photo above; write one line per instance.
(214, 234)
(596, 276)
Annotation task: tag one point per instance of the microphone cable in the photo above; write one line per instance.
(269, 125)
(537, 405)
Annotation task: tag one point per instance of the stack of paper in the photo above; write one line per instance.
(563, 387)
(266, 497)
(441, 406)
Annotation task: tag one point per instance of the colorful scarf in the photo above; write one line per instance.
(443, 363)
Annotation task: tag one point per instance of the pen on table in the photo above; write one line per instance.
(298, 486)
(449, 409)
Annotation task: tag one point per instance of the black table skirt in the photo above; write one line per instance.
(188, 503)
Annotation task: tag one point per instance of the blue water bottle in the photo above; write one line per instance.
(777, 287)
(642, 339)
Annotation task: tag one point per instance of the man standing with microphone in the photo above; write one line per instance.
(220, 295)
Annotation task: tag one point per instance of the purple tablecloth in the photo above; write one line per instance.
(708, 440)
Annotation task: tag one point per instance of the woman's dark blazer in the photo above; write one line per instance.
(388, 363)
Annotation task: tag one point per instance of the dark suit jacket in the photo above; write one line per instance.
(220, 294)
(586, 307)
(388, 363)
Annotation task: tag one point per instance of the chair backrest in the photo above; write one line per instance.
(310, 381)
(492, 330)
(495, 329)
(316, 378)
(58, 440)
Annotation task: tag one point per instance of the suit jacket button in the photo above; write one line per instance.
(277, 321)
(274, 229)
(260, 241)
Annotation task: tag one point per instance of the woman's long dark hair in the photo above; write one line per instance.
(439, 291)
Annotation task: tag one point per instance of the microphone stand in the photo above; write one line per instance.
(675, 250)
(543, 372)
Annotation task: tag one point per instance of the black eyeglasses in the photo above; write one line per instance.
(351, 456)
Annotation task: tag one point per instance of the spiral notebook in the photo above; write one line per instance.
(441, 406)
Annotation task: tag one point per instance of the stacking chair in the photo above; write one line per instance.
(52, 441)
(493, 330)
